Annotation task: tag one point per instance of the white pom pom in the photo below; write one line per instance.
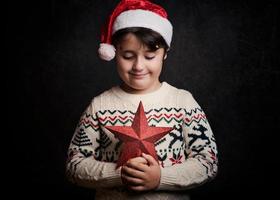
(106, 51)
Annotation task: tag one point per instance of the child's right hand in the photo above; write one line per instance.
(131, 162)
(139, 160)
(141, 173)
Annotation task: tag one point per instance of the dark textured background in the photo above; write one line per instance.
(226, 53)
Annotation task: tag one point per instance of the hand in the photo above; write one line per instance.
(134, 161)
(141, 173)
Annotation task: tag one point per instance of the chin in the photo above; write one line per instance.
(137, 87)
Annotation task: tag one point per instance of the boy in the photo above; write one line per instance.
(139, 35)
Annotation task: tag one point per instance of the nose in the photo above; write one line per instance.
(138, 64)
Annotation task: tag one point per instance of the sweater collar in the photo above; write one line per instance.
(154, 96)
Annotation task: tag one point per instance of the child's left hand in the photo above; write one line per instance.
(140, 176)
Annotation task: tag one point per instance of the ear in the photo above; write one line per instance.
(165, 56)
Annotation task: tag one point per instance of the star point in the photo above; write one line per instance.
(139, 137)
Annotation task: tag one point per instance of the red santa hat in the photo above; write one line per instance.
(134, 13)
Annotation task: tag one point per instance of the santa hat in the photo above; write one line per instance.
(134, 13)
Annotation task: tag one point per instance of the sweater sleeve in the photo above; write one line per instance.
(201, 162)
(82, 166)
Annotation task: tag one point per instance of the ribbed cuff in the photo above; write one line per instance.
(112, 176)
(168, 178)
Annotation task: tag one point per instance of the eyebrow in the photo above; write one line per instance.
(131, 51)
(128, 51)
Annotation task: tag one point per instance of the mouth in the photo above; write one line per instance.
(138, 75)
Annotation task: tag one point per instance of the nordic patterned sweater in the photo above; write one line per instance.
(187, 155)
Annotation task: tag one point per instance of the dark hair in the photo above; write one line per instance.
(148, 37)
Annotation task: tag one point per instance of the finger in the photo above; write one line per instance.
(138, 160)
(138, 188)
(132, 172)
(138, 166)
(128, 180)
(150, 159)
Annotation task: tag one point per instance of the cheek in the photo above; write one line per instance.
(156, 66)
(123, 66)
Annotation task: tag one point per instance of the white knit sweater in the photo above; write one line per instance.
(187, 155)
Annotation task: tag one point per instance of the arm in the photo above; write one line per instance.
(201, 155)
(82, 166)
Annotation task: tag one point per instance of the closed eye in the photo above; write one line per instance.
(127, 57)
(149, 57)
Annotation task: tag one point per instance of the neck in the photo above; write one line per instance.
(131, 90)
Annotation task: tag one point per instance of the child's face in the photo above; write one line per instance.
(138, 67)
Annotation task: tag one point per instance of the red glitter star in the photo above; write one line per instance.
(138, 138)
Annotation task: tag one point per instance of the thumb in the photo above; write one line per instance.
(151, 160)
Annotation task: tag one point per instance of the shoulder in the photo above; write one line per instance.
(176, 90)
(184, 98)
(105, 98)
(106, 94)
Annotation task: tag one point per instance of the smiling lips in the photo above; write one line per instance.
(138, 75)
